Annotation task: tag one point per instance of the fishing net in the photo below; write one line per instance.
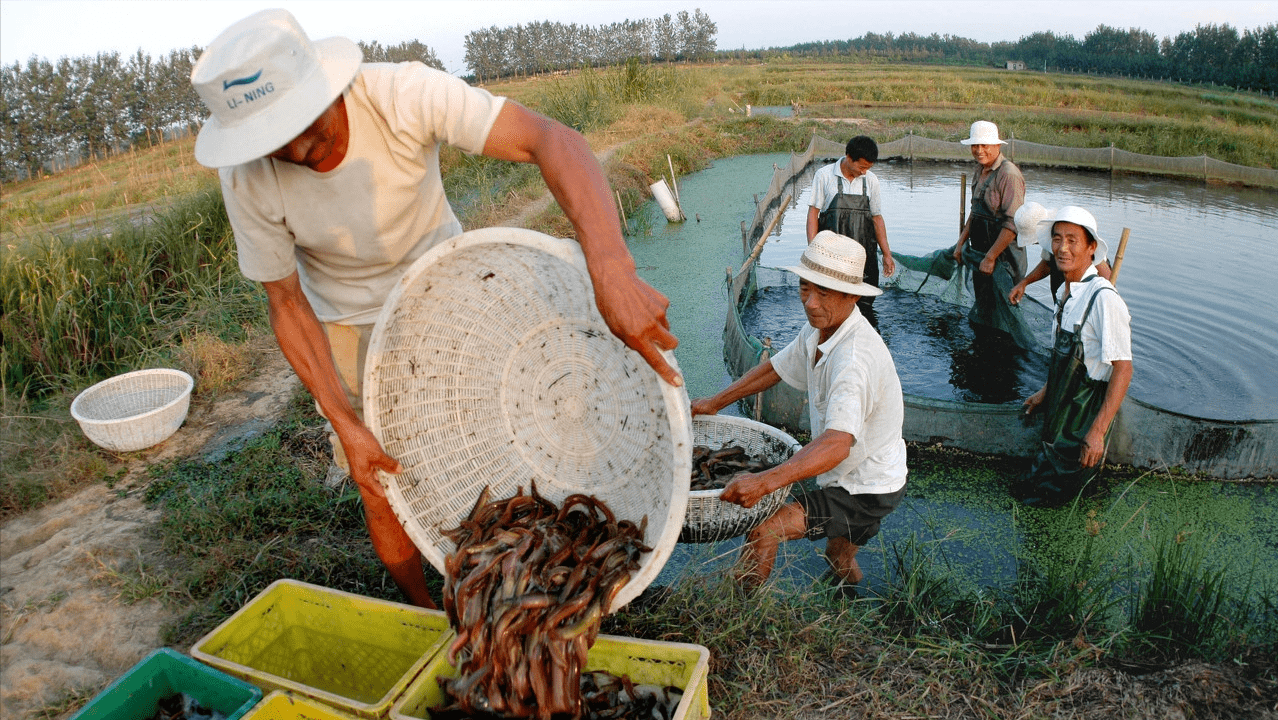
(1028, 324)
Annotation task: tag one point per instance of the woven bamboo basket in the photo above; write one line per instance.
(710, 519)
(135, 410)
(490, 366)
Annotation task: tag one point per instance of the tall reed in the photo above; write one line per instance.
(76, 310)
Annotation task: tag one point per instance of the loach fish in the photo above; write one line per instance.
(714, 469)
(526, 590)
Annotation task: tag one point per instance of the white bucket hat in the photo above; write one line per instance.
(836, 262)
(1027, 218)
(1080, 217)
(983, 132)
(265, 82)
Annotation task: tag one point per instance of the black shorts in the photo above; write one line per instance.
(834, 512)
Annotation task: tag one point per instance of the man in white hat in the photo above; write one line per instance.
(330, 173)
(987, 241)
(1089, 371)
(856, 409)
(1033, 223)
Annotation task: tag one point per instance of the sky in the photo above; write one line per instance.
(58, 28)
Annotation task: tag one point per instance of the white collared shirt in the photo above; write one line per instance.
(852, 388)
(1107, 335)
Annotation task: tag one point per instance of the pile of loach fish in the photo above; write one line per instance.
(714, 469)
(526, 590)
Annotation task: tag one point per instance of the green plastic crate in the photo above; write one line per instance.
(347, 651)
(280, 705)
(682, 665)
(136, 694)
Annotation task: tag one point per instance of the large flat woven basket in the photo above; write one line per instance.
(710, 519)
(490, 366)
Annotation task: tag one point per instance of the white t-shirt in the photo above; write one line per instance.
(825, 185)
(353, 231)
(853, 388)
(1107, 335)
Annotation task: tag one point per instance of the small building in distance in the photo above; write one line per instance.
(1015, 65)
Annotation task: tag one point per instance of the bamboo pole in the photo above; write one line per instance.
(1118, 257)
(758, 245)
(962, 200)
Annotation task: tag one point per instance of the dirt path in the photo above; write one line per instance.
(63, 625)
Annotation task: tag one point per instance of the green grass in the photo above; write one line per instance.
(232, 526)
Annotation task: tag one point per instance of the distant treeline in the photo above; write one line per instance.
(548, 46)
(1209, 53)
(59, 113)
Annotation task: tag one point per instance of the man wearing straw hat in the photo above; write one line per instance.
(330, 172)
(856, 409)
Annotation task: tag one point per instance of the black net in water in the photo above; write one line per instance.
(938, 353)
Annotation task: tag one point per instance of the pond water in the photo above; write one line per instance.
(973, 526)
(1194, 276)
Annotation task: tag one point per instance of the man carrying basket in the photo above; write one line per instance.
(856, 408)
(330, 171)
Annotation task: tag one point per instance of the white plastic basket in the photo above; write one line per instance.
(710, 519)
(490, 365)
(135, 410)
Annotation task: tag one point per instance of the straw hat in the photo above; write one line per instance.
(836, 262)
(983, 132)
(1080, 217)
(265, 82)
(1027, 218)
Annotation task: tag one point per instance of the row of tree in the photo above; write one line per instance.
(1209, 53)
(56, 114)
(53, 113)
(548, 46)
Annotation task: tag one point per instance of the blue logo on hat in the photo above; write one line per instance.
(228, 84)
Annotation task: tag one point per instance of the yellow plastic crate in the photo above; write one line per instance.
(280, 705)
(347, 651)
(654, 662)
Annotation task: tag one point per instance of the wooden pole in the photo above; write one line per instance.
(624, 220)
(962, 200)
(1118, 257)
(758, 245)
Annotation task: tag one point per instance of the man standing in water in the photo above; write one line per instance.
(330, 173)
(856, 410)
(987, 243)
(1089, 372)
(845, 200)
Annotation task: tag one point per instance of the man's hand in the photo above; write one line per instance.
(987, 265)
(889, 265)
(746, 489)
(703, 406)
(958, 252)
(1093, 448)
(1033, 401)
(365, 457)
(636, 314)
(1017, 292)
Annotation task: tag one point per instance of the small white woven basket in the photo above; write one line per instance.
(710, 519)
(490, 365)
(135, 410)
